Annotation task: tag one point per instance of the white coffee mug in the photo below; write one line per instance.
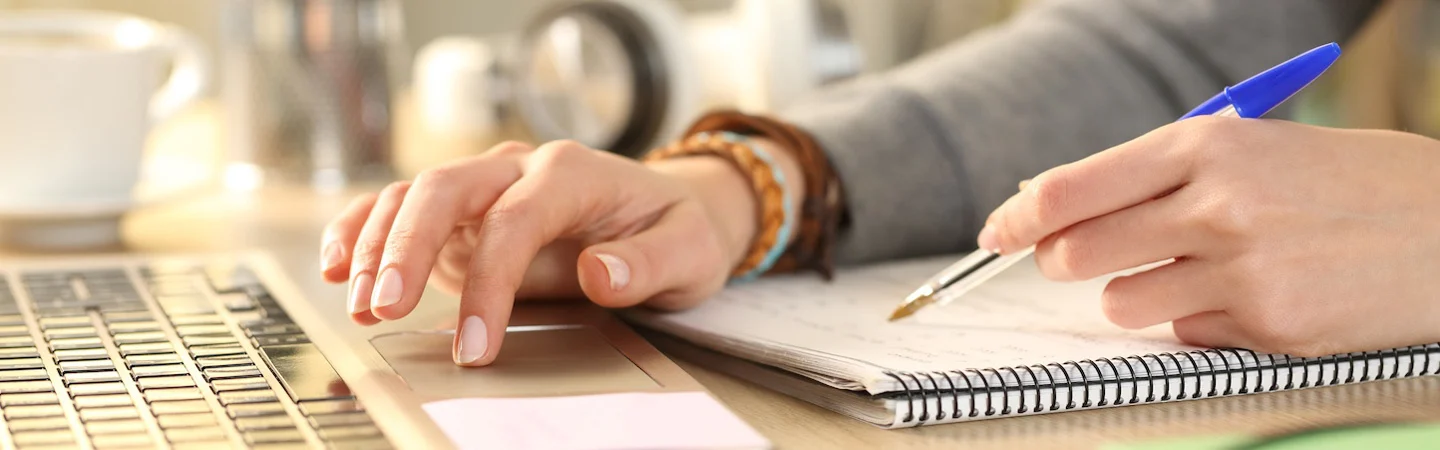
(79, 93)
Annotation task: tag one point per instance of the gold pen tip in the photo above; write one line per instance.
(909, 308)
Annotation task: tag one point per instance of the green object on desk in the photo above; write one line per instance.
(1397, 436)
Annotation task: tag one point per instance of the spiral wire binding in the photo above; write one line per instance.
(1232, 367)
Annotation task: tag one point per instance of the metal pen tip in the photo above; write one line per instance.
(910, 307)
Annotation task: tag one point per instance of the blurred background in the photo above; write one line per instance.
(331, 92)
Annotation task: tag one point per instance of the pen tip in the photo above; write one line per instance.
(909, 308)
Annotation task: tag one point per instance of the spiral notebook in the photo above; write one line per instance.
(1017, 345)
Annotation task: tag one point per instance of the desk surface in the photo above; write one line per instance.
(287, 222)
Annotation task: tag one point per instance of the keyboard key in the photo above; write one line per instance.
(152, 359)
(17, 412)
(350, 432)
(255, 396)
(130, 440)
(14, 330)
(140, 337)
(146, 348)
(239, 384)
(86, 365)
(304, 372)
(216, 350)
(39, 423)
(272, 436)
(28, 438)
(196, 434)
(110, 413)
(316, 407)
(19, 352)
(373, 443)
(63, 344)
(158, 370)
(168, 394)
(254, 409)
(180, 407)
(72, 332)
(11, 319)
(288, 339)
(186, 420)
(9, 387)
(222, 361)
(102, 401)
(47, 323)
(264, 423)
(196, 319)
(29, 398)
(32, 362)
(191, 341)
(202, 330)
(115, 426)
(81, 353)
(123, 307)
(273, 330)
(23, 375)
(116, 318)
(231, 372)
(173, 381)
(16, 341)
(113, 387)
(134, 327)
(91, 377)
(339, 419)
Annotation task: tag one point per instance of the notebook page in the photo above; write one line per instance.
(839, 329)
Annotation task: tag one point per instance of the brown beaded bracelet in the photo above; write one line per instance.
(821, 212)
(776, 224)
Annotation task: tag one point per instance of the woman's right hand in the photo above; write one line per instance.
(558, 220)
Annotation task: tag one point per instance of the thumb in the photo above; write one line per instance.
(673, 264)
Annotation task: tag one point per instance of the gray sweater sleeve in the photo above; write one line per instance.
(925, 151)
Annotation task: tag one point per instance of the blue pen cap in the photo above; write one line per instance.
(1261, 93)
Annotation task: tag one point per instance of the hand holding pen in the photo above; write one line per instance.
(1251, 98)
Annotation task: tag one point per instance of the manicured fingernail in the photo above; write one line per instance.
(618, 270)
(360, 292)
(387, 289)
(988, 240)
(473, 341)
(330, 256)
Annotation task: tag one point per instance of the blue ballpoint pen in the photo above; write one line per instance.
(1249, 99)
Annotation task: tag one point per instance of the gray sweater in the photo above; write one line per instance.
(925, 151)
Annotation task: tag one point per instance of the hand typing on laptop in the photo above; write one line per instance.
(555, 221)
(1286, 238)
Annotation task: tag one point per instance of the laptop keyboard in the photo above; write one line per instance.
(177, 356)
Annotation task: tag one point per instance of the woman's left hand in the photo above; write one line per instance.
(1286, 238)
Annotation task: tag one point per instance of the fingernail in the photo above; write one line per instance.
(618, 270)
(330, 256)
(388, 289)
(1023, 183)
(988, 240)
(360, 292)
(473, 341)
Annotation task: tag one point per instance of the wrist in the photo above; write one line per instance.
(728, 196)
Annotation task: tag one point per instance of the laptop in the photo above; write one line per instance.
(222, 351)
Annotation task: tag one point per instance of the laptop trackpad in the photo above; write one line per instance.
(535, 361)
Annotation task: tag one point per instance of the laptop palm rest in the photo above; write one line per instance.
(546, 360)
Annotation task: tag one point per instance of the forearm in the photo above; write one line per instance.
(926, 150)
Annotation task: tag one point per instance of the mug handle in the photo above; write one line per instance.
(189, 77)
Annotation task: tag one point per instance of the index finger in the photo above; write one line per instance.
(1114, 179)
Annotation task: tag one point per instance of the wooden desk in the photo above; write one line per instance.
(287, 222)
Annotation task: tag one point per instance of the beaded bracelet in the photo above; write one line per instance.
(777, 214)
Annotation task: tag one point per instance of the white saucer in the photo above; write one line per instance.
(82, 225)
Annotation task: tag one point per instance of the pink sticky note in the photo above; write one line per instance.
(681, 420)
